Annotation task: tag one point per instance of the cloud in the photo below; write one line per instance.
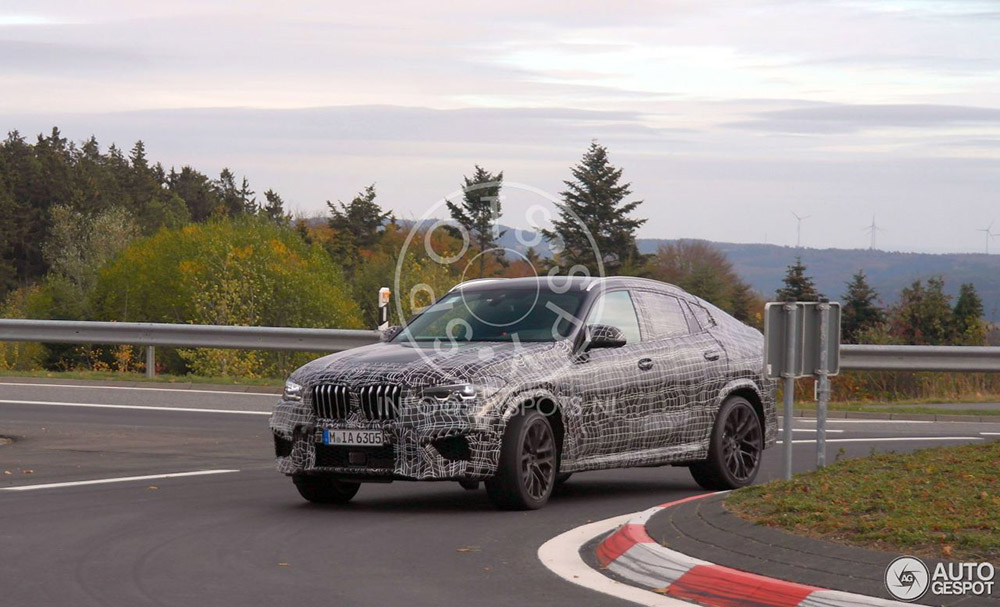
(854, 118)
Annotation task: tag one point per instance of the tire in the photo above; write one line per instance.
(562, 477)
(735, 448)
(325, 489)
(526, 472)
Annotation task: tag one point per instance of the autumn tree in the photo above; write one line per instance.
(703, 270)
(923, 314)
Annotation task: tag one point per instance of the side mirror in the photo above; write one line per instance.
(389, 333)
(604, 336)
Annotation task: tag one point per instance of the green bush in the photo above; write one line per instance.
(246, 271)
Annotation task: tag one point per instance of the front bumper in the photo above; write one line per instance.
(427, 446)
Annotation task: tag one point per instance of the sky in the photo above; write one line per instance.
(727, 117)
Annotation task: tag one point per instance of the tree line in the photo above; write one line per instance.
(922, 315)
(103, 235)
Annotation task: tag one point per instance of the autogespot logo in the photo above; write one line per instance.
(906, 578)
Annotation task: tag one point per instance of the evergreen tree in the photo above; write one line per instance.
(969, 328)
(923, 315)
(479, 213)
(274, 209)
(860, 311)
(197, 191)
(595, 198)
(358, 223)
(798, 285)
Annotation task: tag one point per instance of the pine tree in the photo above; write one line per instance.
(593, 206)
(479, 213)
(274, 209)
(860, 311)
(967, 317)
(358, 223)
(798, 286)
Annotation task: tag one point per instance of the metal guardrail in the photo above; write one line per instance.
(151, 335)
(852, 357)
(185, 336)
(920, 358)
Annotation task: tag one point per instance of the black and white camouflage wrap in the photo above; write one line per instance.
(649, 402)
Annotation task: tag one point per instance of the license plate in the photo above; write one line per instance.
(354, 438)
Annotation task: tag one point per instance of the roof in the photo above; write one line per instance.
(571, 283)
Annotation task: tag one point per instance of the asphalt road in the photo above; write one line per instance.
(246, 538)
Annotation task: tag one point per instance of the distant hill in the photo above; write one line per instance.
(763, 266)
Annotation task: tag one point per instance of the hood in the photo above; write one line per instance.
(422, 364)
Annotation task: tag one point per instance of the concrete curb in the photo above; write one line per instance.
(632, 555)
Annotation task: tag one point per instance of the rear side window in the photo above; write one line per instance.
(663, 315)
(702, 315)
(616, 309)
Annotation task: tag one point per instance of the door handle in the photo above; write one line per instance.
(646, 364)
(712, 355)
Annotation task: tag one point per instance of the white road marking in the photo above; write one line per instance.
(841, 420)
(814, 430)
(185, 390)
(561, 555)
(134, 407)
(990, 433)
(886, 439)
(123, 479)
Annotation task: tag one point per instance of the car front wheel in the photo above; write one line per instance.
(735, 448)
(528, 463)
(325, 489)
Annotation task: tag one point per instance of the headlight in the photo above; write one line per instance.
(459, 391)
(292, 391)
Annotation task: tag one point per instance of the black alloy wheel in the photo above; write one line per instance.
(735, 448)
(528, 463)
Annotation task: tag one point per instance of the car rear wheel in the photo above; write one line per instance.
(734, 450)
(528, 463)
(325, 489)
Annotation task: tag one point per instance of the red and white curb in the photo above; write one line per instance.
(631, 554)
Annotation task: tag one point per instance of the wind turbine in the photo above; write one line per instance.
(798, 229)
(989, 234)
(873, 229)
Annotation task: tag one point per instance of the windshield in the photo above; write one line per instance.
(497, 315)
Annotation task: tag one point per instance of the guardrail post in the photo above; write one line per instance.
(150, 362)
(789, 376)
(822, 382)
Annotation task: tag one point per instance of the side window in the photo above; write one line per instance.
(662, 315)
(616, 309)
(704, 318)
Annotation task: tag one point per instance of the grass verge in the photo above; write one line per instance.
(141, 377)
(939, 502)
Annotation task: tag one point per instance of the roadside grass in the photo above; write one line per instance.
(141, 377)
(940, 502)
